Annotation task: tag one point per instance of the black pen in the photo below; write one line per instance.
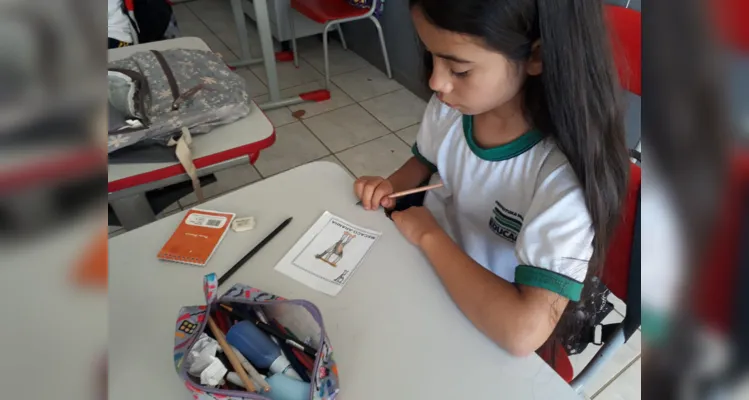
(252, 252)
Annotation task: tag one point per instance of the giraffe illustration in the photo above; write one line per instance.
(336, 251)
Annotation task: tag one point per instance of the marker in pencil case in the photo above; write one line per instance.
(273, 331)
(296, 364)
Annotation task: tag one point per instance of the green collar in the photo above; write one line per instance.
(505, 151)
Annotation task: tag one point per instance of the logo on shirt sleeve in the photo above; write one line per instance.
(505, 223)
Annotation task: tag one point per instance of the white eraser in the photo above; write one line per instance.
(243, 224)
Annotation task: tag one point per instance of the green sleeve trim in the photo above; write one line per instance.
(549, 280)
(654, 326)
(422, 159)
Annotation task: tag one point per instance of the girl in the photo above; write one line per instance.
(525, 132)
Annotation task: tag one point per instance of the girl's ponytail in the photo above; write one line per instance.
(580, 95)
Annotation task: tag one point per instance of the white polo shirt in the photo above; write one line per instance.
(517, 209)
(119, 24)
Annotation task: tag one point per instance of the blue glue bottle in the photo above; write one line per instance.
(259, 349)
(285, 388)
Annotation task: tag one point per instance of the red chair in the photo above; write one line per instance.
(619, 260)
(715, 294)
(334, 13)
(625, 29)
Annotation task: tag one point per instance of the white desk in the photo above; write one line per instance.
(225, 146)
(402, 331)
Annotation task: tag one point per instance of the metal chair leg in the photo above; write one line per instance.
(325, 53)
(382, 42)
(290, 15)
(340, 35)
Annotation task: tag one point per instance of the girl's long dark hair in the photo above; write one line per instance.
(575, 99)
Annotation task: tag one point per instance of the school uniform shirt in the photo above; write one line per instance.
(517, 209)
(118, 23)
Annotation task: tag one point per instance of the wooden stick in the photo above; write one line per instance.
(417, 190)
(226, 347)
(251, 370)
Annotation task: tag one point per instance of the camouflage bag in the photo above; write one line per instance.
(162, 98)
(160, 92)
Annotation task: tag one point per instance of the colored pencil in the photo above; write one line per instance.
(412, 191)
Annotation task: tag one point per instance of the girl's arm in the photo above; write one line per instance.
(518, 318)
(410, 175)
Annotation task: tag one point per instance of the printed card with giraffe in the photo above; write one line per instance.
(328, 254)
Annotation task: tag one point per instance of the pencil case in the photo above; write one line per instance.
(300, 316)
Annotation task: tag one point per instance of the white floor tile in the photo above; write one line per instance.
(335, 160)
(295, 145)
(340, 60)
(627, 386)
(396, 110)
(280, 116)
(380, 157)
(217, 15)
(337, 99)
(623, 357)
(254, 86)
(345, 127)
(190, 25)
(289, 75)
(365, 83)
(409, 134)
(226, 180)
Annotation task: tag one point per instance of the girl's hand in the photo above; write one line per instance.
(373, 192)
(415, 223)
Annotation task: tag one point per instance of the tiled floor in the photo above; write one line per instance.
(368, 127)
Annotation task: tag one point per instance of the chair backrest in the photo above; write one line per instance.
(625, 29)
(618, 258)
(716, 278)
(731, 22)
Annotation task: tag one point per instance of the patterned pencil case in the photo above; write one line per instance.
(300, 317)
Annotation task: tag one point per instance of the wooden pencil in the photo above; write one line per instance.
(410, 191)
(229, 352)
(416, 190)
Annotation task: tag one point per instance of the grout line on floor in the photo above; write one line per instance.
(322, 72)
(373, 116)
(345, 166)
(347, 148)
(615, 377)
(378, 120)
(239, 57)
(382, 94)
(403, 140)
(187, 5)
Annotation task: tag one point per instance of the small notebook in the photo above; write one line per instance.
(197, 237)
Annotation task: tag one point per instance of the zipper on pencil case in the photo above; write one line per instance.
(311, 308)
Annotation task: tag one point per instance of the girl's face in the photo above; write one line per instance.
(467, 76)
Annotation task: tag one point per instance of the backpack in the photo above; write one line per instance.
(151, 20)
(162, 98)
